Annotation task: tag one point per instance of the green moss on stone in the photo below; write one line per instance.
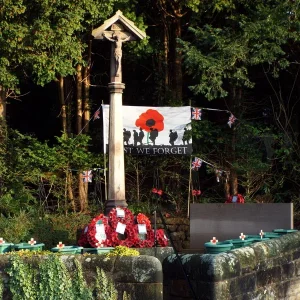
(226, 265)
(246, 257)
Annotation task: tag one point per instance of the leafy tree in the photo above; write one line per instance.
(222, 57)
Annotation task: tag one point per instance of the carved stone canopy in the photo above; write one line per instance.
(118, 22)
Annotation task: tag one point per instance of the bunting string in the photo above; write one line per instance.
(197, 163)
(95, 116)
(92, 169)
(197, 114)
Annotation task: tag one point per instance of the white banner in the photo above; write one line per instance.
(153, 130)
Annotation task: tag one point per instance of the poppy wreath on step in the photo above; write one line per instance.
(131, 237)
(149, 240)
(128, 218)
(143, 219)
(146, 243)
(161, 238)
(83, 239)
(91, 233)
(235, 199)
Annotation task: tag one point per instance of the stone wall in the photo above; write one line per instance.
(265, 270)
(140, 276)
(179, 229)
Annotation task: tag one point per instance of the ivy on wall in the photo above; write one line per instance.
(50, 279)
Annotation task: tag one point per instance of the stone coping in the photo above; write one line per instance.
(219, 267)
(130, 269)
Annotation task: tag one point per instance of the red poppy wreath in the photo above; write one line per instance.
(83, 239)
(161, 238)
(149, 240)
(92, 233)
(130, 237)
(115, 217)
(146, 243)
(143, 219)
(238, 199)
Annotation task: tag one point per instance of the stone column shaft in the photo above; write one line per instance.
(116, 177)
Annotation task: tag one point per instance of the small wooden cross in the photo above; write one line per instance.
(214, 240)
(60, 245)
(261, 234)
(242, 236)
(32, 242)
(1, 241)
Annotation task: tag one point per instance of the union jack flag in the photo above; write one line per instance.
(231, 120)
(196, 163)
(87, 176)
(196, 113)
(97, 114)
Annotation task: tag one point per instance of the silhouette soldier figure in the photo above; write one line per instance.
(135, 138)
(173, 137)
(126, 136)
(186, 136)
(141, 136)
(153, 135)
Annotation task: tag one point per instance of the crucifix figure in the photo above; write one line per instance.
(118, 40)
(117, 29)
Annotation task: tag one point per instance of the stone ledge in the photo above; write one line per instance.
(257, 257)
(141, 275)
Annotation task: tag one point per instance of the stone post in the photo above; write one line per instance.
(118, 30)
(116, 170)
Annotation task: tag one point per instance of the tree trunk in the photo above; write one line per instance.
(177, 63)
(79, 98)
(233, 178)
(69, 94)
(2, 103)
(86, 90)
(70, 190)
(166, 54)
(82, 186)
(82, 193)
(63, 108)
(64, 124)
(86, 96)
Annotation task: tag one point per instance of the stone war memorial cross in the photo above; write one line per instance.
(118, 30)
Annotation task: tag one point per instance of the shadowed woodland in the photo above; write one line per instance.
(235, 55)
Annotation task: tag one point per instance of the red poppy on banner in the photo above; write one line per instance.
(153, 130)
(151, 119)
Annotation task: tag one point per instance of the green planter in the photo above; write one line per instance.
(98, 250)
(26, 246)
(6, 247)
(256, 238)
(271, 235)
(238, 243)
(68, 250)
(284, 231)
(219, 247)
